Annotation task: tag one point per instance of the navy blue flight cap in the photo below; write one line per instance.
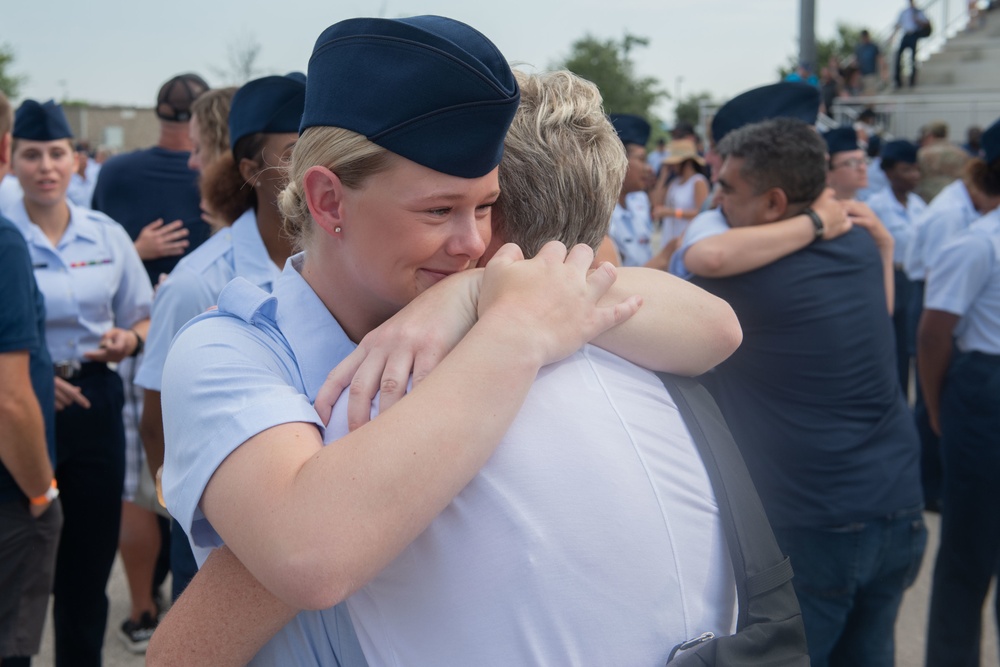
(900, 150)
(428, 88)
(990, 141)
(41, 122)
(841, 139)
(787, 99)
(272, 104)
(631, 129)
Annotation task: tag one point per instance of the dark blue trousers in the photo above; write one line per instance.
(90, 468)
(969, 555)
(905, 329)
(182, 562)
(909, 41)
(930, 443)
(850, 581)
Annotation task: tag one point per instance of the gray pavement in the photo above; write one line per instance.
(909, 629)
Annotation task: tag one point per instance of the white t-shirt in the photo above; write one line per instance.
(591, 537)
(680, 195)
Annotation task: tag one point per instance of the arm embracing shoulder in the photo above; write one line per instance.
(680, 329)
(370, 493)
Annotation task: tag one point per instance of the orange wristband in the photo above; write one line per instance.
(48, 496)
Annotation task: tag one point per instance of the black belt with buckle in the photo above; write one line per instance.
(74, 370)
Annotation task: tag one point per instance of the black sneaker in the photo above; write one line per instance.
(136, 636)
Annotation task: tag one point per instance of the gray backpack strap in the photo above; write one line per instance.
(769, 629)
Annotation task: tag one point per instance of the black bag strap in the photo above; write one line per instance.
(769, 629)
(758, 564)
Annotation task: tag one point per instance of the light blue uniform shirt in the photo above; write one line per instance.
(706, 224)
(877, 181)
(949, 213)
(194, 285)
(230, 374)
(632, 229)
(92, 280)
(81, 188)
(965, 280)
(898, 219)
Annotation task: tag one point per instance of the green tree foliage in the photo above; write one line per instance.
(842, 46)
(608, 65)
(689, 109)
(10, 84)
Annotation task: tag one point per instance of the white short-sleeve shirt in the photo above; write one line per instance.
(591, 536)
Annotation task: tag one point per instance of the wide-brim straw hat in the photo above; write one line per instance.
(682, 150)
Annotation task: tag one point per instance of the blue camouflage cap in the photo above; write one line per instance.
(41, 122)
(428, 88)
(272, 104)
(787, 99)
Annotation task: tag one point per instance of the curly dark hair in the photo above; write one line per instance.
(780, 153)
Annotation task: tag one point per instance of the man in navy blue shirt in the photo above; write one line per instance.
(30, 514)
(814, 403)
(152, 192)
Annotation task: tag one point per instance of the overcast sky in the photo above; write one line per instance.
(119, 52)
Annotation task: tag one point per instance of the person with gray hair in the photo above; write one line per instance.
(814, 403)
(479, 586)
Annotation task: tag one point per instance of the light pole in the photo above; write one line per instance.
(677, 92)
(807, 33)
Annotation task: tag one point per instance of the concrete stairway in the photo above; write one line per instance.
(968, 63)
(959, 83)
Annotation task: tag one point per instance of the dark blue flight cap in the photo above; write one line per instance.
(41, 122)
(874, 145)
(990, 141)
(787, 99)
(272, 104)
(428, 88)
(631, 129)
(841, 139)
(900, 150)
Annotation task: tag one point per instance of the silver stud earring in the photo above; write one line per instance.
(336, 230)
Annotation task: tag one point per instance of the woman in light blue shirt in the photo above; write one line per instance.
(97, 301)
(390, 189)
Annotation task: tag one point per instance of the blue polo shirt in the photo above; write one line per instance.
(22, 327)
